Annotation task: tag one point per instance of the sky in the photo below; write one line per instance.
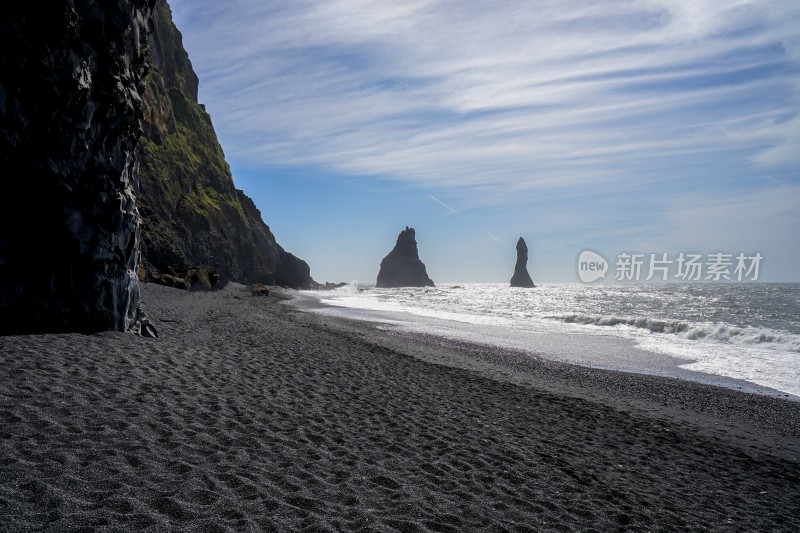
(650, 126)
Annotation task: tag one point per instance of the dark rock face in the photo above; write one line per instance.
(71, 78)
(186, 278)
(191, 212)
(521, 278)
(402, 267)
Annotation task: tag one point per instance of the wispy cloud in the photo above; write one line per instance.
(769, 218)
(765, 221)
(499, 98)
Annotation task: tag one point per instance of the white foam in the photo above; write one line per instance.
(771, 368)
(764, 337)
(760, 355)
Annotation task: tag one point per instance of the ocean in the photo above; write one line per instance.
(745, 333)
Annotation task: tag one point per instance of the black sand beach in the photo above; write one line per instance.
(247, 414)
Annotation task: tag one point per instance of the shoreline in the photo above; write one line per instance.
(717, 405)
(247, 413)
(546, 346)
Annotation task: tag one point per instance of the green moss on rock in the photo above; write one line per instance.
(191, 211)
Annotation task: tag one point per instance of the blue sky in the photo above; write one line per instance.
(653, 126)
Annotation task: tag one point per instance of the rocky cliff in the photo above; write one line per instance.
(521, 278)
(402, 267)
(191, 212)
(71, 77)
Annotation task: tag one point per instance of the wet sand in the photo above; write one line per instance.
(247, 414)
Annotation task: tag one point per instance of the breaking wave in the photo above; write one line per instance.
(761, 337)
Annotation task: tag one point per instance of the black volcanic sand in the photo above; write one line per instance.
(251, 415)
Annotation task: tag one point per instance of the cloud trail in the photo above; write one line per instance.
(453, 211)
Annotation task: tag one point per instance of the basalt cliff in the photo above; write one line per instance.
(108, 163)
(402, 267)
(71, 78)
(192, 214)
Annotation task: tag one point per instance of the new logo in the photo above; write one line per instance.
(591, 266)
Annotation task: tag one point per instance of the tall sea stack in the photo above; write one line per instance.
(72, 75)
(402, 267)
(521, 278)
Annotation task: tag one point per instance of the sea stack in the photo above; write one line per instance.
(402, 267)
(72, 76)
(521, 278)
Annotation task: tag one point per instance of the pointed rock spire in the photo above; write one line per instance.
(402, 267)
(521, 278)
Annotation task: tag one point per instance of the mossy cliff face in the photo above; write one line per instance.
(191, 211)
(71, 77)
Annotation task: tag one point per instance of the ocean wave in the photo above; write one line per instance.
(762, 337)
